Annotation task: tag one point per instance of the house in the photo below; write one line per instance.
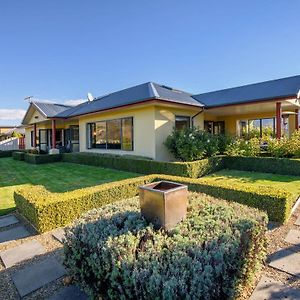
(137, 120)
(7, 131)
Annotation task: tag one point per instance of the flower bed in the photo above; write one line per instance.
(114, 253)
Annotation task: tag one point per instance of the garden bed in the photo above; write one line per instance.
(114, 253)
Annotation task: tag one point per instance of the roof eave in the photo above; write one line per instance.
(270, 99)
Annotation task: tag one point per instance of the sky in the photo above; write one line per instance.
(59, 50)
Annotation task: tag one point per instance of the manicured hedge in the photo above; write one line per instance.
(18, 155)
(283, 166)
(146, 166)
(113, 253)
(6, 153)
(46, 210)
(42, 158)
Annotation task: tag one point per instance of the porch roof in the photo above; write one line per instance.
(273, 89)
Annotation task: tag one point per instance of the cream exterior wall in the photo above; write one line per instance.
(164, 124)
(143, 130)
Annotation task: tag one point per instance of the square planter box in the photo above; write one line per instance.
(164, 203)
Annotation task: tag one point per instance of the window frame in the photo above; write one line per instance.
(260, 124)
(188, 118)
(90, 137)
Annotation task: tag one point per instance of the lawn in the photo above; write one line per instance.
(285, 182)
(55, 177)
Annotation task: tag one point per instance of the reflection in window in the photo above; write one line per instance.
(182, 122)
(111, 134)
(261, 127)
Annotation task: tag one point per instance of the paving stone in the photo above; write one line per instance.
(268, 288)
(287, 261)
(20, 253)
(293, 237)
(59, 234)
(298, 221)
(71, 292)
(34, 276)
(14, 233)
(8, 220)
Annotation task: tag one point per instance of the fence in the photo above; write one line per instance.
(13, 143)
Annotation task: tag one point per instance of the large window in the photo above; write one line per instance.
(257, 127)
(111, 134)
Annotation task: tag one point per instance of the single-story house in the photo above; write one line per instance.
(137, 120)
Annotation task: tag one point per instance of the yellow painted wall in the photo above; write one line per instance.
(164, 124)
(143, 130)
(232, 121)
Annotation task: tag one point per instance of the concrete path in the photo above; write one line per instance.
(21, 253)
(285, 260)
(34, 276)
(8, 220)
(69, 293)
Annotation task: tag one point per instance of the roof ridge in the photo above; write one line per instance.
(249, 84)
(52, 103)
(153, 90)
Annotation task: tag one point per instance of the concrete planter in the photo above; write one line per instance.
(164, 203)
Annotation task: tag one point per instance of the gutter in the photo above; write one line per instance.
(198, 113)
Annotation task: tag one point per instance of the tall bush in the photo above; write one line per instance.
(241, 147)
(192, 144)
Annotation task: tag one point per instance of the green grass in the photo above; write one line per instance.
(55, 177)
(285, 182)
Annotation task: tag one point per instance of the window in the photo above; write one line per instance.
(112, 134)
(182, 122)
(258, 127)
(214, 127)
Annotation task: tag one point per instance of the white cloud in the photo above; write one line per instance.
(12, 114)
(74, 101)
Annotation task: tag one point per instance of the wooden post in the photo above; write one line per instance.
(278, 120)
(297, 119)
(34, 136)
(53, 134)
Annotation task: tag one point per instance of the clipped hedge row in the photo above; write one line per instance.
(113, 253)
(146, 166)
(46, 210)
(18, 155)
(7, 153)
(42, 158)
(283, 166)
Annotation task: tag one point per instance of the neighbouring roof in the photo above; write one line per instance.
(273, 89)
(132, 95)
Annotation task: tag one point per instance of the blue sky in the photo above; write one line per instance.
(61, 49)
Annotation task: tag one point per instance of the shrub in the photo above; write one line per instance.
(192, 144)
(145, 166)
(7, 153)
(283, 166)
(18, 155)
(46, 210)
(42, 158)
(113, 253)
(241, 147)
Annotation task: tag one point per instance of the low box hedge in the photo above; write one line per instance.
(42, 158)
(46, 210)
(282, 166)
(18, 155)
(7, 153)
(146, 166)
(113, 253)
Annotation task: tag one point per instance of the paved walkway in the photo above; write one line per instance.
(32, 269)
(284, 260)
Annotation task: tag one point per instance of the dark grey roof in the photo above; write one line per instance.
(273, 89)
(50, 109)
(132, 95)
